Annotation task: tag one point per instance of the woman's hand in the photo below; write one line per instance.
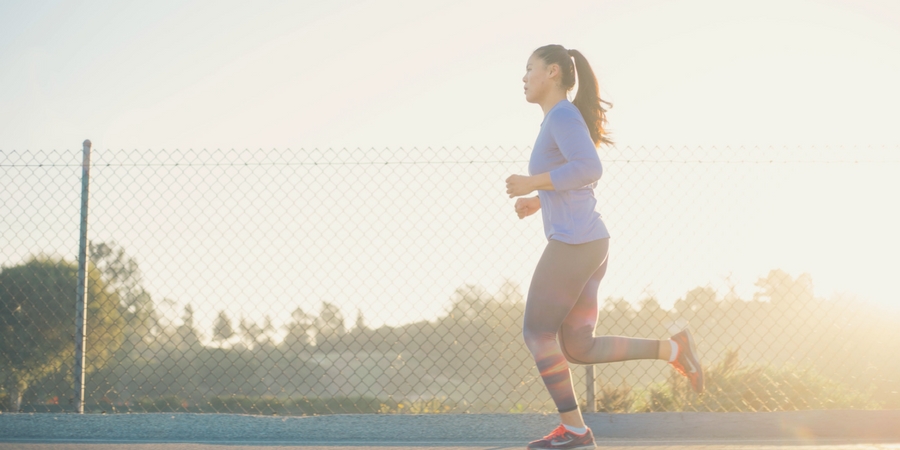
(519, 185)
(527, 206)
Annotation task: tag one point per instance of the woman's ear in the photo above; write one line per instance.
(554, 71)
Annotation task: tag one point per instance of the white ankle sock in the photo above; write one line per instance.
(576, 430)
(674, 354)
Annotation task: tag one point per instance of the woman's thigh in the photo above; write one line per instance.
(586, 309)
(561, 275)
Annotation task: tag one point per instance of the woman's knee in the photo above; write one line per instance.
(538, 342)
(576, 343)
(531, 338)
(575, 358)
(568, 355)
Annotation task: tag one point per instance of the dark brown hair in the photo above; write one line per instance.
(587, 99)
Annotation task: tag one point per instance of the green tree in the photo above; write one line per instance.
(297, 338)
(468, 302)
(699, 303)
(649, 305)
(188, 337)
(37, 321)
(360, 321)
(121, 272)
(510, 292)
(696, 300)
(651, 312)
(619, 306)
(329, 324)
(251, 333)
(783, 290)
(222, 330)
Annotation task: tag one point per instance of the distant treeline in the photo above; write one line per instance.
(782, 349)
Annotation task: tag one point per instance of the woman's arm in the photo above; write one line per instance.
(518, 185)
(582, 165)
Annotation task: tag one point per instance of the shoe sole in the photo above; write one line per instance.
(694, 360)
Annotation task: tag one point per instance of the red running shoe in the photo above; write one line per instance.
(561, 438)
(687, 363)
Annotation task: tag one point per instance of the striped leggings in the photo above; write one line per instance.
(561, 314)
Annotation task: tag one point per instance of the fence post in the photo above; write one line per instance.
(590, 382)
(81, 295)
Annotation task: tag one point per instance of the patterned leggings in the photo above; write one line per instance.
(561, 313)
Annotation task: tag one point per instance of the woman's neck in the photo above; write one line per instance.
(551, 100)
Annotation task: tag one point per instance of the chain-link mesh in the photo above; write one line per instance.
(386, 281)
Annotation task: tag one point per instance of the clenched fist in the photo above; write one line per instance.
(527, 206)
(519, 185)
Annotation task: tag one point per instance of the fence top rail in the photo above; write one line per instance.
(445, 156)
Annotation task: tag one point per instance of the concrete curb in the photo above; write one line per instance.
(445, 428)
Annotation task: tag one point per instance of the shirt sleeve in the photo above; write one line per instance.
(582, 165)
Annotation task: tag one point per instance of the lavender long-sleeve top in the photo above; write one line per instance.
(565, 149)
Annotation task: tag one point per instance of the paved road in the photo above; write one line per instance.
(805, 430)
(602, 445)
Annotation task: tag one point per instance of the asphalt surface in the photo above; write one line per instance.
(799, 429)
(603, 445)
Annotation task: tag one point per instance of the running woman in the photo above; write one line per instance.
(561, 309)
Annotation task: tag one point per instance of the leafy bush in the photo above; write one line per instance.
(293, 406)
(733, 387)
(618, 399)
(432, 406)
(169, 403)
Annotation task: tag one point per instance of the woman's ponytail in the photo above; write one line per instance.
(587, 99)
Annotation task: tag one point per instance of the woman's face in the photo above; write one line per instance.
(538, 79)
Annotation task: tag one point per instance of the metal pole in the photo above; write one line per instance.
(81, 295)
(589, 381)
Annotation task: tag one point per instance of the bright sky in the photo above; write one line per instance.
(343, 73)
(392, 74)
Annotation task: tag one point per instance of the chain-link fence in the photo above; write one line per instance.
(393, 281)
